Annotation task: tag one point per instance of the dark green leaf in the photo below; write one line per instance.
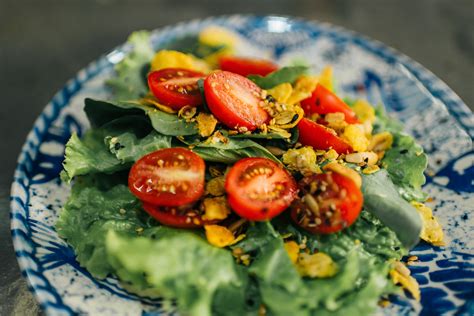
(285, 74)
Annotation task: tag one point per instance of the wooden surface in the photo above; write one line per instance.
(44, 43)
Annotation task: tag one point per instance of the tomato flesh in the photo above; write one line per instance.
(234, 100)
(169, 216)
(322, 101)
(259, 189)
(168, 177)
(176, 87)
(339, 202)
(321, 137)
(247, 66)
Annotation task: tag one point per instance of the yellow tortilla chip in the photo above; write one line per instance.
(282, 92)
(174, 59)
(432, 232)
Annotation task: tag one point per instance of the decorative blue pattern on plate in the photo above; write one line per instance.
(432, 113)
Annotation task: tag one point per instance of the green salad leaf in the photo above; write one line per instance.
(190, 44)
(96, 205)
(130, 80)
(228, 152)
(405, 163)
(164, 123)
(112, 147)
(282, 75)
(181, 266)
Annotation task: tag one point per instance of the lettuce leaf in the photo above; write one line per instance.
(405, 163)
(130, 80)
(181, 266)
(282, 75)
(111, 148)
(95, 206)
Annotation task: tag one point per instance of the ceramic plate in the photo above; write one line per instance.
(431, 111)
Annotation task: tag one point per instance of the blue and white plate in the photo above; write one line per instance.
(431, 111)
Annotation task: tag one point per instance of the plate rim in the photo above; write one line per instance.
(19, 209)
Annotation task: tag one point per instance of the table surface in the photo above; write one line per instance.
(44, 43)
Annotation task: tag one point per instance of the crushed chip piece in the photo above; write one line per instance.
(174, 59)
(432, 232)
(364, 111)
(215, 208)
(220, 236)
(381, 142)
(326, 79)
(302, 159)
(293, 250)
(206, 124)
(318, 265)
(215, 186)
(409, 283)
(282, 92)
(354, 134)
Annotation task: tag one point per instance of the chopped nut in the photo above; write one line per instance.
(366, 157)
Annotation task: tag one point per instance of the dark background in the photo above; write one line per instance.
(44, 43)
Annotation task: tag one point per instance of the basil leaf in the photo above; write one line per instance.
(285, 74)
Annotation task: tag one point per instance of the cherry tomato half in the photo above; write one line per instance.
(180, 218)
(234, 100)
(168, 177)
(323, 101)
(330, 202)
(321, 137)
(176, 87)
(259, 189)
(247, 66)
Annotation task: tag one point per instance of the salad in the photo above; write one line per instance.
(236, 186)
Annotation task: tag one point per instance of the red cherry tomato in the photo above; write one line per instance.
(176, 87)
(323, 101)
(234, 100)
(247, 66)
(171, 216)
(168, 177)
(330, 202)
(259, 189)
(321, 137)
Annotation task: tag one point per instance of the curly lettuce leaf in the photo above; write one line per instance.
(95, 206)
(282, 75)
(111, 148)
(130, 80)
(181, 266)
(405, 163)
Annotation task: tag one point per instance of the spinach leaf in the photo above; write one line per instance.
(229, 151)
(285, 74)
(130, 80)
(405, 163)
(190, 44)
(164, 123)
